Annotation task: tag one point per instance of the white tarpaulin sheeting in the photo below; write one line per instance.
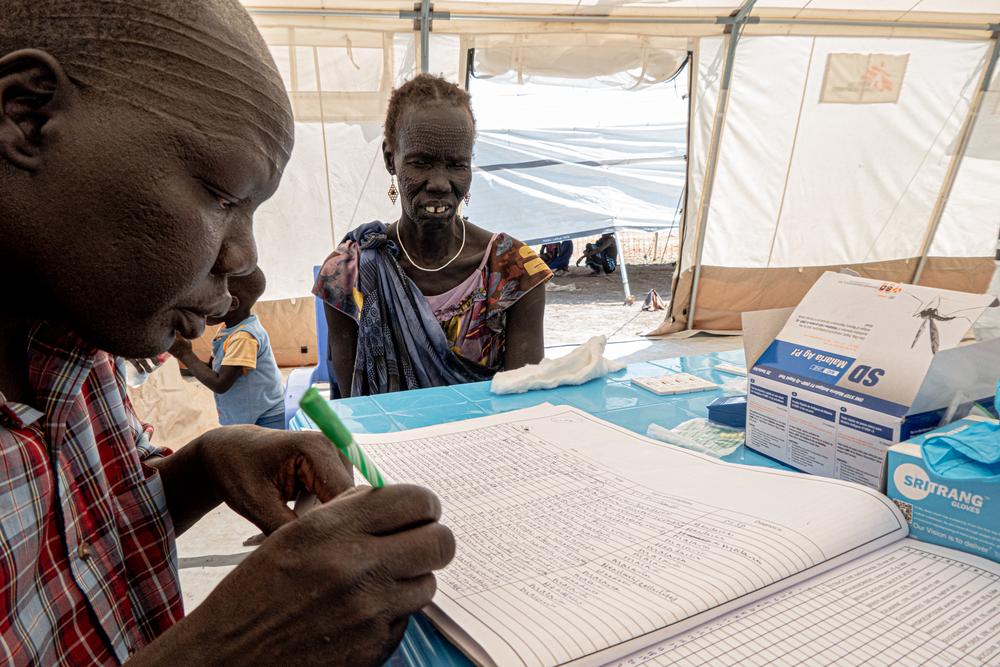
(578, 135)
(974, 206)
(616, 61)
(335, 180)
(836, 146)
(806, 182)
(548, 184)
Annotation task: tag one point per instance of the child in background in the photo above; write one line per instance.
(242, 371)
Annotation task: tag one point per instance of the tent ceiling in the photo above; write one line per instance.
(987, 11)
(959, 19)
(340, 59)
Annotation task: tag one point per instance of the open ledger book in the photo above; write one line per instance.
(582, 543)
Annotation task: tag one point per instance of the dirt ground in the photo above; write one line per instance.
(596, 307)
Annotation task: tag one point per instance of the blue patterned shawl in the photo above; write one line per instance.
(401, 345)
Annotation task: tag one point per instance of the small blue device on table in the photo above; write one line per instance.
(729, 411)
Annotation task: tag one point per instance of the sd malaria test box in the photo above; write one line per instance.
(857, 366)
(962, 514)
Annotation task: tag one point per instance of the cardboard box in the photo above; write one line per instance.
(857, 366)
(961, 514)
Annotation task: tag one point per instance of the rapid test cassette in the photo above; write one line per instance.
(674, 383)
(732, 369)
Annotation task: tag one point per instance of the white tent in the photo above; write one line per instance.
(822, 134)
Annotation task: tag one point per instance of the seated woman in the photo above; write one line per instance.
(430, 299)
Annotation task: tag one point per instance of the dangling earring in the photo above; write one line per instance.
(393, 192)
(468, 196)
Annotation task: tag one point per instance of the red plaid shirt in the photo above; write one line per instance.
(88, 567)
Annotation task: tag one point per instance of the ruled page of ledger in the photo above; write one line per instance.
(908, 604)
(576, 537)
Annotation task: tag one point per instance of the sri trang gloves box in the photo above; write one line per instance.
(958, 512)
(860, 365)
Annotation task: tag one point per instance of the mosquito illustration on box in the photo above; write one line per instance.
(930, 315)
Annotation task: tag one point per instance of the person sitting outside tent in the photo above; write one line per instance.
(430, 299)
(601, 256)
(137, 139)
(557, 256)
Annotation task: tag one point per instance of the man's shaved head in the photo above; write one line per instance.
(137, 139)
(150, 54)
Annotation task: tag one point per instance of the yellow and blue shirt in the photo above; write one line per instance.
(259, 391)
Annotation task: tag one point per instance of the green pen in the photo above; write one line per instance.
(316, 407)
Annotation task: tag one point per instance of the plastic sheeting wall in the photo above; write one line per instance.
(803, 182)
(834, 153)
(709, 55)
(974, 206)
(339, 84)
(548, 184)
(558, 158)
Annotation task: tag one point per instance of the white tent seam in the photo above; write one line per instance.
(326, 153)
(791, 155)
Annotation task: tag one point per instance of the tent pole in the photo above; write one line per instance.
(915, 25)
(721, 106)
(423, 16)
(956, 161)
(621, 264)
(425, 36)
(680, 221)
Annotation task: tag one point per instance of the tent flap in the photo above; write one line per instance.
(727, 292)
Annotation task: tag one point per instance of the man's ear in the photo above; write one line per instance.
(388, 157)
(32, 84)
(235, 303)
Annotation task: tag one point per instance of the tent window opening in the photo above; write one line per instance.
(576, 141)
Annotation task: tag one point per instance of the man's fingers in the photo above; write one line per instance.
(269, 513)
(390, 509)
(417, 552)
(348, 466)
(321, 471)
(412, 595)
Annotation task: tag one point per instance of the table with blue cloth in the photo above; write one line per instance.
(611, 398)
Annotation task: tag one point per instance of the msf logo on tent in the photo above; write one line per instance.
(878, 79)
(911, 480)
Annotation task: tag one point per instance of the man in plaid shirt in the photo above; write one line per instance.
(136, 140)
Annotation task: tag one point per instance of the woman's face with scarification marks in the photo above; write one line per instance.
(433, 161)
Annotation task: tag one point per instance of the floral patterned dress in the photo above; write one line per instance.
(472, 314)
